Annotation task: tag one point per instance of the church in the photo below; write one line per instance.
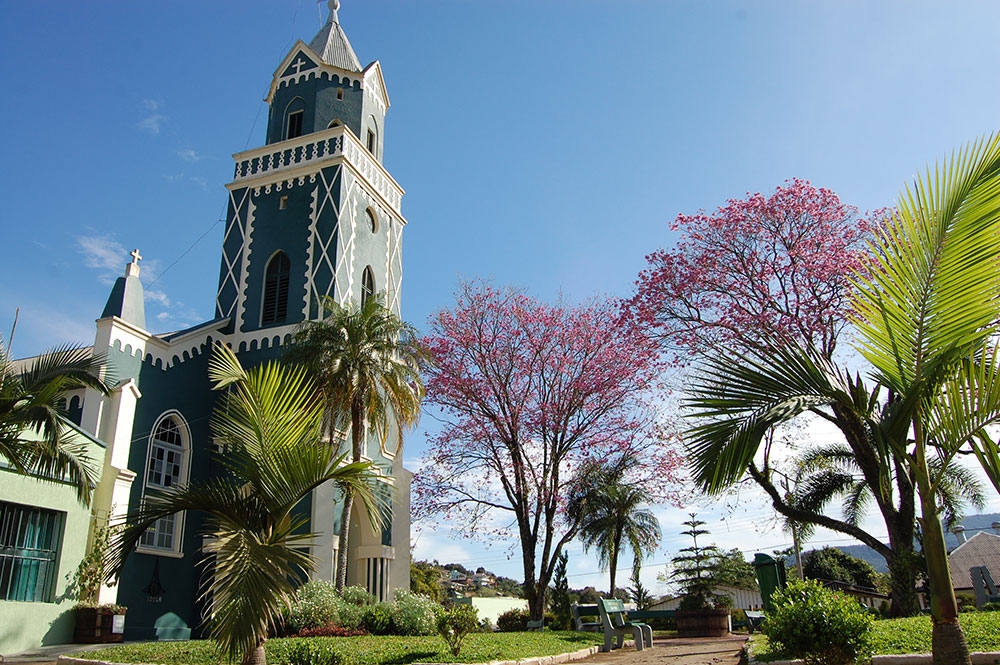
(311, 213)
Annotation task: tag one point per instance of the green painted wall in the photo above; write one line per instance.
(23, 625)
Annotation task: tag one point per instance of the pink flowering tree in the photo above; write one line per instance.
(530, 393)
(759, 274)
(763, 265)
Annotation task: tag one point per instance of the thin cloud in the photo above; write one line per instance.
(154, 119)
(188, 155)
(159, 297)
(102, 253)
(107, 255)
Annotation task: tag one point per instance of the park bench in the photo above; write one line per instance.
(651, 615)
(617, 626)
(581, 612)
(754, 620)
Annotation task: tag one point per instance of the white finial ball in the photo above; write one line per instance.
(334, 5)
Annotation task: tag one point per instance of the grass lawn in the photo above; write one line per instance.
(366, 650)
(913, 635)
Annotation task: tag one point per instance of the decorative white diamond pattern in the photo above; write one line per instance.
(319, 254)
(240, 229)
(348, 230)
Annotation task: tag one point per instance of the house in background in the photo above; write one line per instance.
(44, 534)
(311, 214)
(982, 549)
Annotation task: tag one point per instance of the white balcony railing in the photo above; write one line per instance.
(272, 162)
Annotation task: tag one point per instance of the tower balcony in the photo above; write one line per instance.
(304, 155)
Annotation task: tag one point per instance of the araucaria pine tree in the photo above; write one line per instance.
(694, 569)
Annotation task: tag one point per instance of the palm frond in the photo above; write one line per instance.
(734, 404)
(927, 296)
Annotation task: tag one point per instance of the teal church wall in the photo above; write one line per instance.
(321, 106)
(184, 387)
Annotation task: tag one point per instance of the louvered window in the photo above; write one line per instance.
(29, 550)
(276, 289)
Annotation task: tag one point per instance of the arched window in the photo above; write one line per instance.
(294, 114)
(275, 306)
(166, 467)
(372, 220)
(371, 137)
(367, 284)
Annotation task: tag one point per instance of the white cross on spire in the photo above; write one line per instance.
(136, 257)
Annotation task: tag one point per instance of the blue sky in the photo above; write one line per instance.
(546, 143)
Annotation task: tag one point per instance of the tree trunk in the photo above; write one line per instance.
(256, 656)
(357, 440)
(613, 564)
(948, 644)
(947, 639)
(342, 542)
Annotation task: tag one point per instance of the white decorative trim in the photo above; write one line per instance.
(255, 339)
(228, 263)
(307, 154)
(241, 293)
(374, 86)
(321, 70)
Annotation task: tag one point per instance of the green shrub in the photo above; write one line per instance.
(377, 619)
(513, 621)
(992, 606)
(966, 602)
(313, 652)
(415, 614)
(356, 595)
(819, 626)
(331, 630)
(316, 604)
(454, 624)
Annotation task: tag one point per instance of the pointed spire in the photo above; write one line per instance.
(126, 299)
(331, 44)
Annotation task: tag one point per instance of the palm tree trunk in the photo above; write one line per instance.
(948, 644)
(345, 523)
(357, 441)
(613, 564)
(256, 656)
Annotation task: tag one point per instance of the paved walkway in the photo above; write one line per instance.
(677, 651)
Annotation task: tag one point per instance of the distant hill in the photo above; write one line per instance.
(972, 524)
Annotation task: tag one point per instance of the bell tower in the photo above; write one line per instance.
(312, 213)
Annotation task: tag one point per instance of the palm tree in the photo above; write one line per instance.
(611, 515)
(32, 400)
(366, 363)
(925, 309)
(829, 471)
(269, 424)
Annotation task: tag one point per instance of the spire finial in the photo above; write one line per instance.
(334, 5)
(132, 269)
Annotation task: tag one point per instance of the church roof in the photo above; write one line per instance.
(331, 44)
